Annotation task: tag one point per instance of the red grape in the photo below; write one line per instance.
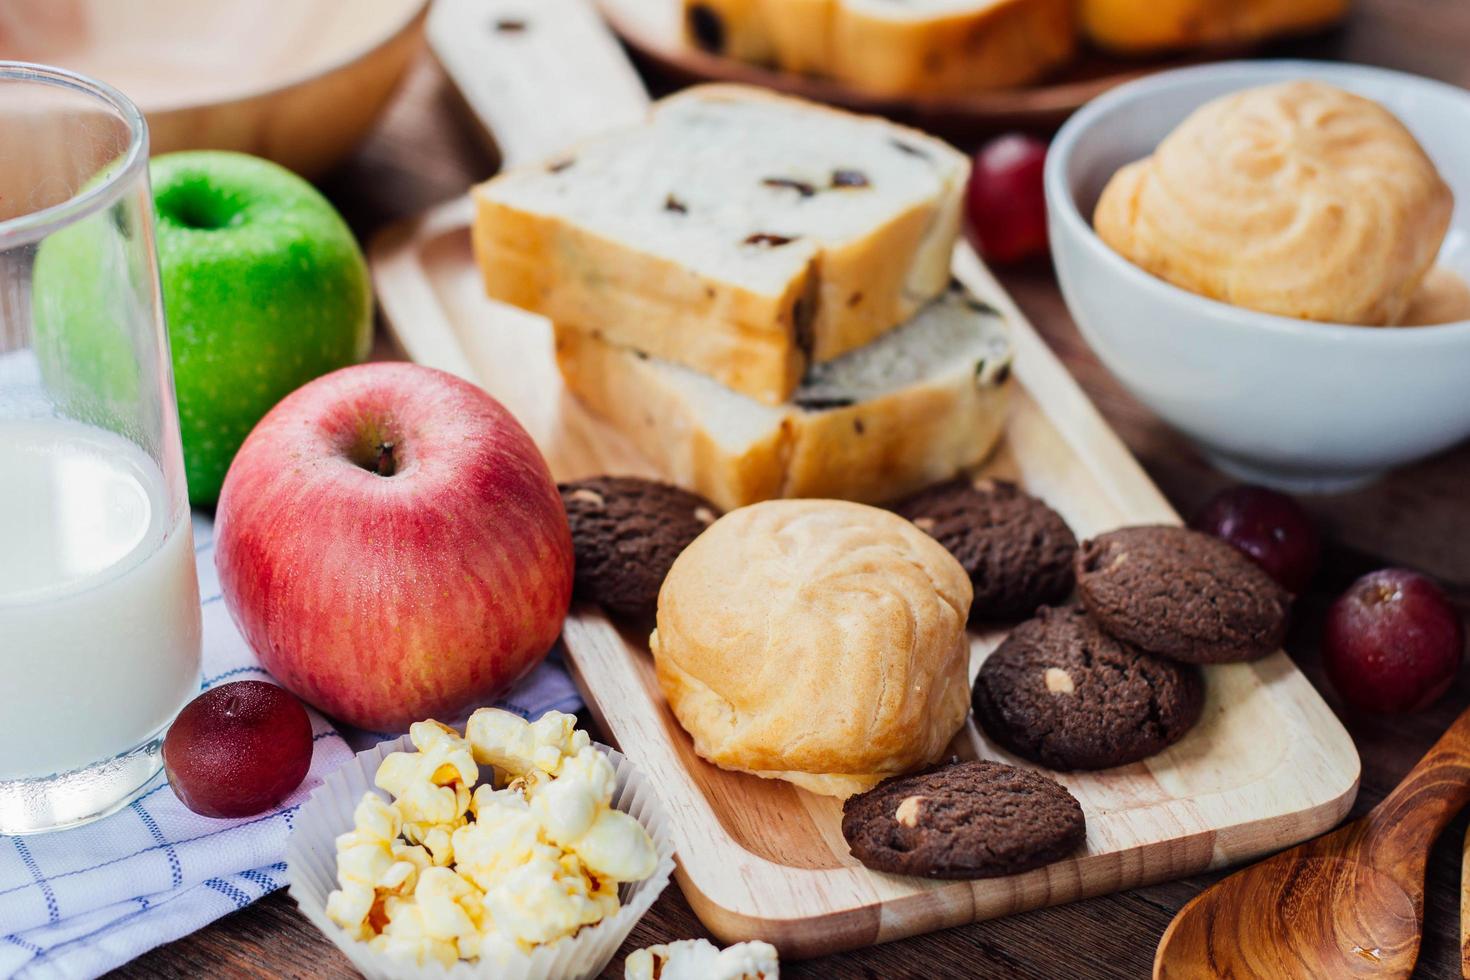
(1270, 527)
(1006, 202)
(1393, 642)
(238, 749)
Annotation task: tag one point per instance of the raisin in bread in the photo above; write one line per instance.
(892, 48)
(910, 409)
(739, 233)
(733, 27)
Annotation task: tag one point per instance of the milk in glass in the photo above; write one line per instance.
(99, 604)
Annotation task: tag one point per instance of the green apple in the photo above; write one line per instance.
(92, 284)
(264, 289)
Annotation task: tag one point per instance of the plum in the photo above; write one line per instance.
(238, 749)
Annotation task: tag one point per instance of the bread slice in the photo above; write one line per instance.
(945, 47)
(910, 409)
(739, 233)
(1136, 27)
(893, 49)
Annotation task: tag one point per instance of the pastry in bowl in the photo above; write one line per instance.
(1297, 199)
(817, 641)
(1443, 297)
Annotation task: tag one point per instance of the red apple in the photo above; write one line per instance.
(392, 546)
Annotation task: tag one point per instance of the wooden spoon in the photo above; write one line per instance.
(1347, 904)
(1465, 909)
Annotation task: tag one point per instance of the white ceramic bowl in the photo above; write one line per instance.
(1299, 405)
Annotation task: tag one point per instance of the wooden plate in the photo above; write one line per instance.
(653, 30)
(1268, 765)
(298, 81)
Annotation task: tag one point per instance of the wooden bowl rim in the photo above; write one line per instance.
(413, 11)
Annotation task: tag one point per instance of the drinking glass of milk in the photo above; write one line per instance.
(99, 604)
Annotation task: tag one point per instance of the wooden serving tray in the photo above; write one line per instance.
(1268, 765)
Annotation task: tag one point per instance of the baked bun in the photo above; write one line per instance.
(1297, 199)
(816, 641)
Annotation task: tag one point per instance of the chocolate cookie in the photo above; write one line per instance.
(1181, 594)
(967, 820)
(1017, 551)
(626, 533)
(1061, 692)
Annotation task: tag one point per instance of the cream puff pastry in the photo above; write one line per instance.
(816, 641)
(1297, 199)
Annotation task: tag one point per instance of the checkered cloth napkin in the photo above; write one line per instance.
(77, 903)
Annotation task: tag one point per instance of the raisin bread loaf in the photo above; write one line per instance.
(739, 233)
(910, 409)
(892, 49)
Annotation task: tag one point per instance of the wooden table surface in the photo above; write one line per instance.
(426, 151)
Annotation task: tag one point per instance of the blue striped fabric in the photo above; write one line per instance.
(79, 902)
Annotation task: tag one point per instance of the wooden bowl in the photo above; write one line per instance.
(652, 29)
(298, 81)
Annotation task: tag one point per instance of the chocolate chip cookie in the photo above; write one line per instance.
(1061, 692)
(626, 533)
(1017, 551)
(1181, 594)
(966, 820)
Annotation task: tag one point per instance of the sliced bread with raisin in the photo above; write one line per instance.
(739, 233)
(910, 409)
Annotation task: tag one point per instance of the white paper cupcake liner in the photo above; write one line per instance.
(311, 857)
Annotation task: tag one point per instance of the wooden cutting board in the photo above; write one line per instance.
(1268, 765)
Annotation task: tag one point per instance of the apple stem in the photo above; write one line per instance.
(386, 464)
